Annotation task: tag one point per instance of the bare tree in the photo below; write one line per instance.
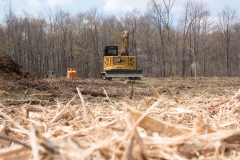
(194, 24)
(227, 18)
(94, 23)
(146, 44)
(161, 16)
(205, 37)
(61, 40)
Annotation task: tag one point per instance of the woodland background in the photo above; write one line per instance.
(194, 44)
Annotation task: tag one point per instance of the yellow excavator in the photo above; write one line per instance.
(122, 65)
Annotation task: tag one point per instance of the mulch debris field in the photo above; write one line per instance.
(59, 118)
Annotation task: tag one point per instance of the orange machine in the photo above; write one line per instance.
(71, 73)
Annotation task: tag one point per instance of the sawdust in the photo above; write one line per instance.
(157, 127)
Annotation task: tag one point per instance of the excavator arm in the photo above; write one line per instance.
(125, 43)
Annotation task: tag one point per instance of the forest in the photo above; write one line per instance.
(193, 45)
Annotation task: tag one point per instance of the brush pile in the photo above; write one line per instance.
(11, 70)
(156, 127)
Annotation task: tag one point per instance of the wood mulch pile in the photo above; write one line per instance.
(11, 70)
(157, 127)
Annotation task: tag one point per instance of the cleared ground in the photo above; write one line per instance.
(164, 118)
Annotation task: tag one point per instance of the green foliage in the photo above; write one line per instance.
(16, 96)
(210, 90)
(147, 82)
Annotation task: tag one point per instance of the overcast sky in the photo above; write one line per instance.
(116, 7)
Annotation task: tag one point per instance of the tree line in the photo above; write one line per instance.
(192, 45)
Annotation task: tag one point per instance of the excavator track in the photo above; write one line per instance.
(130, 74)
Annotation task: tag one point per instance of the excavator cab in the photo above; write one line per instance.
(111, 51)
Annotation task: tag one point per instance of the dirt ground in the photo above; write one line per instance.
(61, 89)
(16, 83)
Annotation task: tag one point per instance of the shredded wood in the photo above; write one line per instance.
(157, 127)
